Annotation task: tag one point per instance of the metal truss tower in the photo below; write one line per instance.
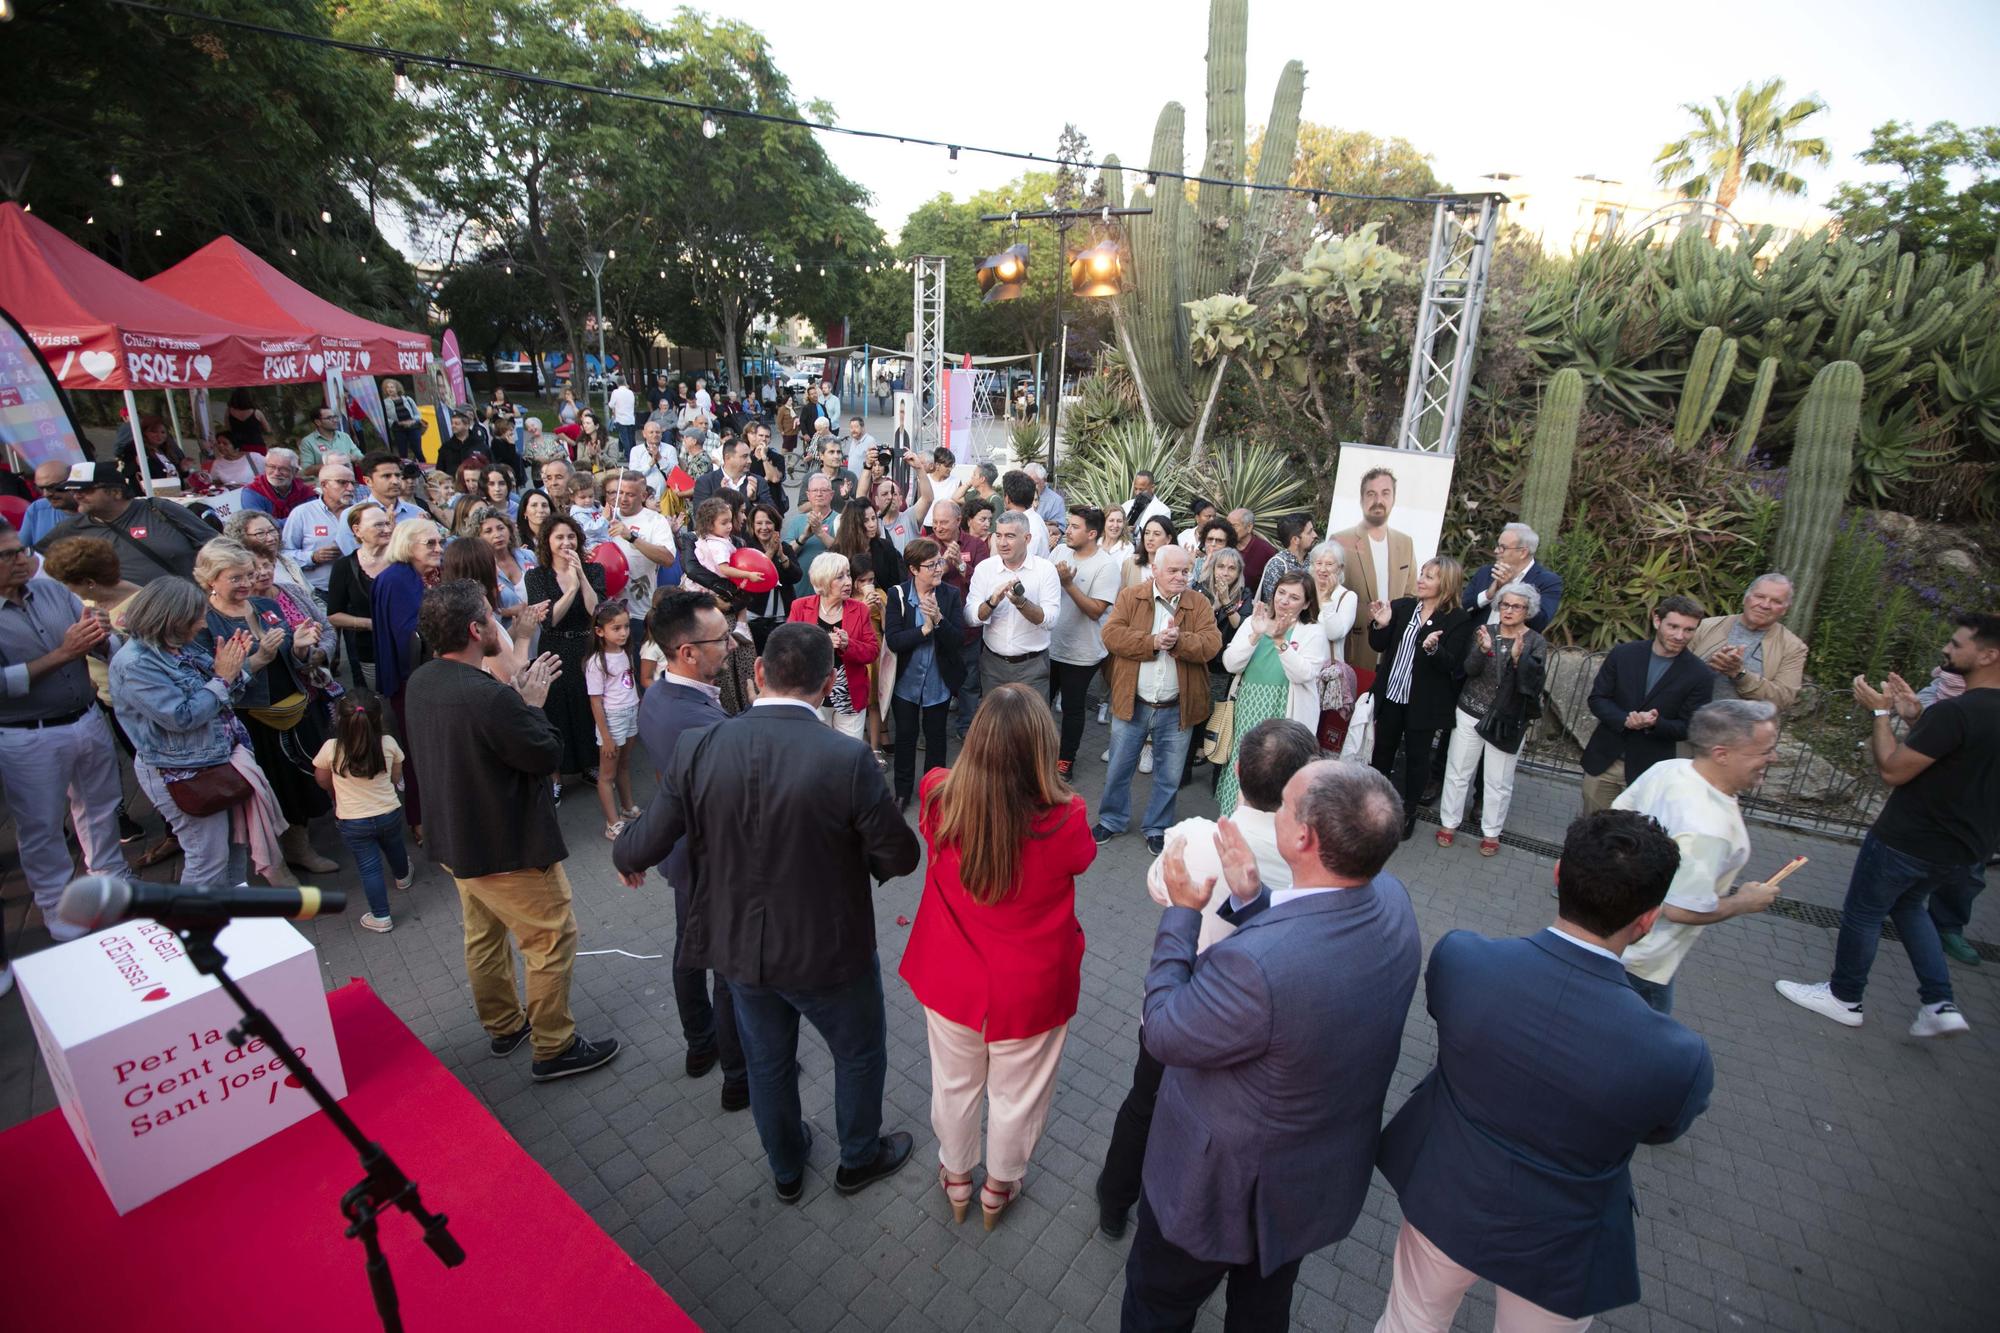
(1441, 360)
(929, 351)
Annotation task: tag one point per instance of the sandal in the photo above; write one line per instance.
(1489, 846)
(1005, 1191)
(164, 850)
(613, 829)
(631, 812)
(1445, 836)
(957, 1192)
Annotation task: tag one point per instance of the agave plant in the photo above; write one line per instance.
(1103, 475)
(1098, 407)
(1890, 451)
(1260, 477)
(1026, 441)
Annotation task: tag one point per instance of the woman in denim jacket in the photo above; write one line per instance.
(173, 699)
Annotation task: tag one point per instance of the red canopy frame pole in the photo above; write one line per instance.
(138, 443)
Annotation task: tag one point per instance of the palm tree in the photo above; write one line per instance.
(1749, 137)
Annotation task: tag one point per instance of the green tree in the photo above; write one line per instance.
(1923, 206)
(1750, 138)
(1358, 162)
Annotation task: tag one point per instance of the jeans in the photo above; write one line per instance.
(373, 840)
(1658, 994)
(1165, 1287)
(1071, 684)
(709, 1025)
(1892, 884)
(968, 703)
(1125, 1159)
(850, 1018)
(628, 436)
(906, 716)
(1951, 903)
(1162, 726)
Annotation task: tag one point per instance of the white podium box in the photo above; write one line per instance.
(133, 1038)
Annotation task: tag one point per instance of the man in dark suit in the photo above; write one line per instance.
(1278, 1044)
(1643, 698)
(692, 631)
(786, 821)
(1526, 1181)
(748, 469)
(1514, 562)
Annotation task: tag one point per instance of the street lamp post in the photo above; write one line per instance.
(594, 261)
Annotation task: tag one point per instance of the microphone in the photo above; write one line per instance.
(97, 901)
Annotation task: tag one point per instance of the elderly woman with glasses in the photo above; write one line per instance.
(846, 619)
(1505, 667)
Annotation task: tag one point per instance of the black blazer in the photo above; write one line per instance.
(900, 630)
(1620, 688)
(1435, 678)
(787, 823)
(478, 739)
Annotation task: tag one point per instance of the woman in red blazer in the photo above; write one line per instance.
(855, 644)
(996, 954)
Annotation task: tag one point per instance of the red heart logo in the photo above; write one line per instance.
(292, 1081)
(157, 993)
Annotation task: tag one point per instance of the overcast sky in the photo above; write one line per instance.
(1566, 87)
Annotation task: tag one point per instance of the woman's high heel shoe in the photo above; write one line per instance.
(957, 1193)
(1005, 1191)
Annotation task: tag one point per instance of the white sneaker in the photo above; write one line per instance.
(1939, 1020)
(1106, 756)
(1103, 714)
(1819, 998)
(381, 925)
(1146, 760)
(407, 880)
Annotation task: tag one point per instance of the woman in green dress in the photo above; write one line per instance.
(1277, 656)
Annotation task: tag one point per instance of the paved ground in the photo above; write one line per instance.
(1841, 1179)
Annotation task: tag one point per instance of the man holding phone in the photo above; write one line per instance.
(1694, 800)
(1015, 597)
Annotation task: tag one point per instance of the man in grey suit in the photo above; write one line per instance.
(1279, 1042)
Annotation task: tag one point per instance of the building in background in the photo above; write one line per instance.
(1566, 214)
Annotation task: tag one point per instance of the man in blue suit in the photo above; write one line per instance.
(694, 634)
(1278, 1044)
(1512, 1158)
(1514, 562)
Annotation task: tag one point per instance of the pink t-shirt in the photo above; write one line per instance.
(615, 684)
(714, 553)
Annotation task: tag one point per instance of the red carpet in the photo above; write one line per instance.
(256, 1243)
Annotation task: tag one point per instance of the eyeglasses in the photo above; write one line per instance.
(1511, 605)
(932, 565)
(12, 552)
(696, 643)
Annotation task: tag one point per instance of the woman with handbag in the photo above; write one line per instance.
(1338, 604)
(1504, 671)
(192, 757)
(275, 706)
(1422, 641)
(1276, 656)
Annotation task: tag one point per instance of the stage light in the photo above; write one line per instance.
(708, 127)
(117, 181)
(402, 79)
(1096, 271)
(1002, 276)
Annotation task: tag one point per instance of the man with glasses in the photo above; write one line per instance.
(1514, 562)
(55, 744)
(278, 491)
(314, 535)
(153, 538)
(325, 440)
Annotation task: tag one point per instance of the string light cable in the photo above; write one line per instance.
(714, 115)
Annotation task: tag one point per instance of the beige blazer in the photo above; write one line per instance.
(1784, 660)
(1359, 574)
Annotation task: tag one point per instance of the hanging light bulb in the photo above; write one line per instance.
(117, 181)
(1312, 204)
(663, 273)
(364, 259)
(295, 252)
(1147, 187)
(952, 166)
(708, 127)
(402, 79)
(90, 221)
(325, 215)
(509, 270)
(822, 270)
(798, 268)
(25, 208)
(611, 254)
(158, 232)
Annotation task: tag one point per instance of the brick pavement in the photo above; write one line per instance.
(1838, 1182)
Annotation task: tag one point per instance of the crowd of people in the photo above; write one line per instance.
(780, 661)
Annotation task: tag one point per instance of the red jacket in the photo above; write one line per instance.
(1011, 967)
(862, 645)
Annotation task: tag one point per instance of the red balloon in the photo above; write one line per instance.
(617, 572)
(753, 561)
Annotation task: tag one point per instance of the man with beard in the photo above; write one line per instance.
(1381, 563)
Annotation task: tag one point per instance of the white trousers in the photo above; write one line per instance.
(1017, 1081)
(1428, 1286)
(847, 724)
(53, 774)
(1464, 754)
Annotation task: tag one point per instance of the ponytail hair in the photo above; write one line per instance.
(357, 732)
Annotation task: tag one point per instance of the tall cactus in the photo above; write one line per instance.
(1707, 380)
(1152, 301)
(1219, 210)
(1753, 415)
(1552, 454)
(1816, 486)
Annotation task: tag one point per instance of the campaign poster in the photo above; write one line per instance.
(35, 424)
(1399, 491)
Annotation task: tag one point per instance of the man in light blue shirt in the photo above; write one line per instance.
(44, 514)
(315, 535)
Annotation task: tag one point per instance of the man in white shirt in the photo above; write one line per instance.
(1143, 505)
(1017, 488)
(646, 536)
(1694, 800)
(1049, 502)
(653, 458)
(829, 400)
(858, 442)
(314, 535)
(1090, 581)
(1015, 597)
(704, 405)
(623, 414)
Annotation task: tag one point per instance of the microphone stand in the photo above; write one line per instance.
(383, 1186)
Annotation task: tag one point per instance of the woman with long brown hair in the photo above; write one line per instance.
(996, 954)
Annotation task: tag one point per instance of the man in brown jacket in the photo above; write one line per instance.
(1160, 636)
(1754, 656)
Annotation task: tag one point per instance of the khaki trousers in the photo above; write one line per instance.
(1601, 789)
(535, 906)
(1017, 1079)
(1425, 1293)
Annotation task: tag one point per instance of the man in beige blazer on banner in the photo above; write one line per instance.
(1381, 564)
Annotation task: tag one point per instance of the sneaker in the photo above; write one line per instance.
(1819, 998)
(129, 829)
(381, 925)
(1103, 716)
(1063, 767)
(1939, 1020)
(510, 1043)
(1101, 835)
(1156, 843)
(556, 786)
(890, 1153)
(582, 1056)
(1955, 945)
(406, 881)
(1105, 758)
(1146, 759)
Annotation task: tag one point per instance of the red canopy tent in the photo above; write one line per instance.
(226, 278)
(100, 328)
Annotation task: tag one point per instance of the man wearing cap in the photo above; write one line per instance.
(314, 535)
(55, 744)
(153, 538)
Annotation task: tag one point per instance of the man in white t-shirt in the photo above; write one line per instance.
(624, 404)
(1695, 801)
(704, 405)
(857, 442)
(646, 536)
(1090, 578)
(653, 458)
(1017, 488)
